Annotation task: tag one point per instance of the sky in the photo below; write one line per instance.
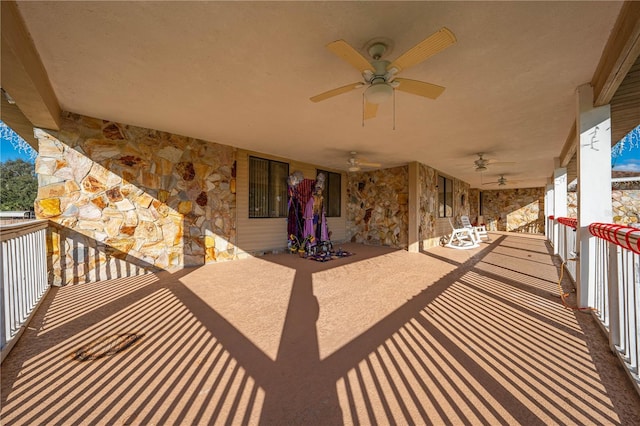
(9, 150)
(628, 161)
(628, 152)
(625, 155)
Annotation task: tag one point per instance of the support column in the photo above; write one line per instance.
(559, 201)
(594, 185)
(414, 208)
(548, 209)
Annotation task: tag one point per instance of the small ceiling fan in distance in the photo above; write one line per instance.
(356, 164)
(379, 75)
(481, 164)
(502, 181)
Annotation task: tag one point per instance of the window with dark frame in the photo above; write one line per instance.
(445, 197)
(332, 193)
(267, 188)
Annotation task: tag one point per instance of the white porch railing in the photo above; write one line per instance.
(567, 244)
(23, 277)
(616, 296)
(617, 292)
(549, 228)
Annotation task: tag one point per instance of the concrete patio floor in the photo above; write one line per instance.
(382, 337)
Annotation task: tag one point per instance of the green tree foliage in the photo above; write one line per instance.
(18, 185)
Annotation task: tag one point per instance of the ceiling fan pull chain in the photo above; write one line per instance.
(363, 101)
(394, 109)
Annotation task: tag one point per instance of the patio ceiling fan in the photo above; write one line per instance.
(502, 181)
(356, 164)
(379, 75)
(481, 164)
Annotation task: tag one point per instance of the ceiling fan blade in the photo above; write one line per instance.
(345, 51)
(420, 88)
(335, 92)
(433, 44)
(499, 163)
(370, 110)
(367, 164)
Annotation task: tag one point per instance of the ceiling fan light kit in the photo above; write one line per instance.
(378, 93)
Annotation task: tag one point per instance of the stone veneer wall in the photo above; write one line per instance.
(377, 207)
(378, 210)
(461, 201)
(428, 184)
(127, 200)
(518, 210)
(624, 203)
(474, 204)
(432, 227)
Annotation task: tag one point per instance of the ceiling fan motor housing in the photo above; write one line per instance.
(377, 50)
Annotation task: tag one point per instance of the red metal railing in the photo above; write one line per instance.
(623, 236)
(568, 221)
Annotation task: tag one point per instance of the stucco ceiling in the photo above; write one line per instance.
(241, 74)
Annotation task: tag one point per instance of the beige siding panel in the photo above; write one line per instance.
(443, 226)
(258, 235)
(338, 225)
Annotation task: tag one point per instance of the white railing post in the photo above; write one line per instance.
(548, 211)
(571, 252)
(559, 203)
(593, 133)
(566, 242)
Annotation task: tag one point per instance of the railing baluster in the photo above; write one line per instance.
(614, 278)
(635, 317)
(630, 312)
(28, 274)
(626, 310)
(13, 305)
(4, 297)
(41, 252)
(602, 257)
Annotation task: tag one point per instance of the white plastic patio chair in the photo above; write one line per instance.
(462, 238)
(480, 232)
